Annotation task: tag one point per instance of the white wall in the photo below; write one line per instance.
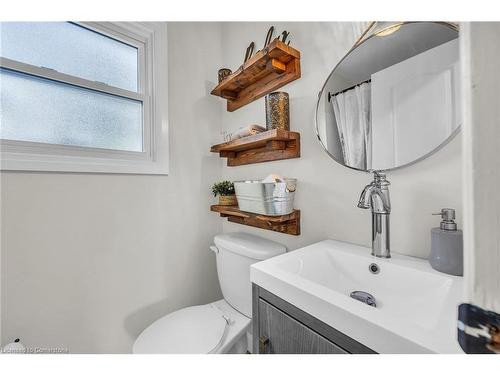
(327, 192)
(89, 260)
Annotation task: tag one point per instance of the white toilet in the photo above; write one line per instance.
(222, 326)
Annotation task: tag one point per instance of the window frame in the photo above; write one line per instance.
(150, 39)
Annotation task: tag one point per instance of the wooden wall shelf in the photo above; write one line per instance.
(288, 224)
(271, 68)
(276, 144)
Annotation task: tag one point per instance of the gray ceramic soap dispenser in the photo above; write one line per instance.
(447, 253)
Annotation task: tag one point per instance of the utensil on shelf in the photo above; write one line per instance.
(224, 73)
(249, 51)
(284, 36)
(269, 36)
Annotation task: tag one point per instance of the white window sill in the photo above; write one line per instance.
(53, 163)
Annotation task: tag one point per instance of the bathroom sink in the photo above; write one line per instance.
(416, 306)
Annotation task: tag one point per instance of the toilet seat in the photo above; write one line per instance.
(223, 326)
(195, 329)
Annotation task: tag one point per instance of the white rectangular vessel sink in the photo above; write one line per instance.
(416, 306)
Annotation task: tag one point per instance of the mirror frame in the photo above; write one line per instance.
(362, 39)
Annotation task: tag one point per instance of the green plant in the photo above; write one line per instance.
(223, 188)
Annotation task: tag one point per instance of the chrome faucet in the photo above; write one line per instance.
(376, 197)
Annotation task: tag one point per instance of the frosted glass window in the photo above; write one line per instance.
(71, 49)
(39, 110)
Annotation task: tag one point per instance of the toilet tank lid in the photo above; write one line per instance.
(249, 245)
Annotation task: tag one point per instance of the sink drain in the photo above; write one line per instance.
(364, 297)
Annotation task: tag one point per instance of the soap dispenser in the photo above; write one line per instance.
(447, 253)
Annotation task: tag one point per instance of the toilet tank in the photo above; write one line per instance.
(236, 252)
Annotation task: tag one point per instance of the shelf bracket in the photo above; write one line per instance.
(228, 94)
(276, 66)
(227, 154)
(276, 145)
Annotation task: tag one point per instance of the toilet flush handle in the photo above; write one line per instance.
(214, 249)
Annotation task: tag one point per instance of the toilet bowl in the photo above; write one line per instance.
(223, 326)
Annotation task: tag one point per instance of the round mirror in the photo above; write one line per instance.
(394, 99)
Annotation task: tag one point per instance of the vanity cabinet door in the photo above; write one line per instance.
(281, 334)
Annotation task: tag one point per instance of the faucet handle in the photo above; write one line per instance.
(377, 173)
(380, 179)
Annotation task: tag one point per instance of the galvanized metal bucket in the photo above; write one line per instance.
(266, 198)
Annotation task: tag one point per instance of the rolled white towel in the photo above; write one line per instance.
(246, 131)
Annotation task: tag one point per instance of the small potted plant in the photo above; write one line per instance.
(225, 191)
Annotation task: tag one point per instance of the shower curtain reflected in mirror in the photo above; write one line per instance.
(352, 109)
